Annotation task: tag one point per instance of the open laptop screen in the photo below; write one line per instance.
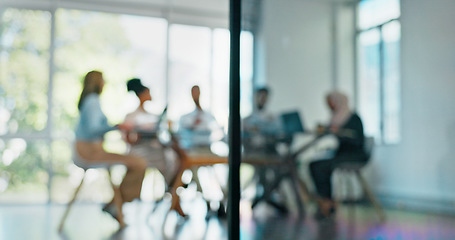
(292, 123)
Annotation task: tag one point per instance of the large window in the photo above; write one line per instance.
(24, 78)
(24, 71)
(200, 56)
(122, 50)
(190, 63)
(41, 76)
(379, 69)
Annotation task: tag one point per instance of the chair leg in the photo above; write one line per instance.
(194, 171)
(350, 198)
(302, 195)
(298, 196)
(175, 204)
(70, 204)
(305, 193)
(371, 196)
(118, 202)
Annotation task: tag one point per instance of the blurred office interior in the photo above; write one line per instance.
(394, 59)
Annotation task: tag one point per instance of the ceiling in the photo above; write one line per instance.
(212, 13)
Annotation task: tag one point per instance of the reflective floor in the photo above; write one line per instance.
(87, 221)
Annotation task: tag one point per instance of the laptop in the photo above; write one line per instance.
(162, 117)
(292, 123)
(153, 133)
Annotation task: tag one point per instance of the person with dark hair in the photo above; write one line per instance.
(197, 131)
(148, 148)
(141, 118)
(198, 128)
(136, 86)
(90, 131)
(348, 129)
(261, 128)
(261, 131)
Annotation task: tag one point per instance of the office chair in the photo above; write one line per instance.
(355, 168)
(117, 196)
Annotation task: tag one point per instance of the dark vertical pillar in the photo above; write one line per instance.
(234, 121)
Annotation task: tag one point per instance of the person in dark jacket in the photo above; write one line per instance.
(348, 129)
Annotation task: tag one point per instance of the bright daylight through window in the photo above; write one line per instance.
(41, 76)
(379, 100)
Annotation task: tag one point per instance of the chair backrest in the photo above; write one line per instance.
(368, 146)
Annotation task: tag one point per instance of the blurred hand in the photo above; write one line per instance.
(197, 122)
(334, 130)
(320, 130)
(125, 126)
(132, 137)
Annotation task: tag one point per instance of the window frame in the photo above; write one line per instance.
(381, 75)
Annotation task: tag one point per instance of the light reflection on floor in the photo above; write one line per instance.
(87, 221)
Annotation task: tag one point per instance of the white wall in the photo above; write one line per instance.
(295, 52)
(344, 18)
(422, 167)
(295, 38)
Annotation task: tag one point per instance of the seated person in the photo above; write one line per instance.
(149, 148)
(198, 129)
(261, 129)
(261, 132)
(348, 129)
(90, 131)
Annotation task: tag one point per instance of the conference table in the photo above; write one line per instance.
(285, 167)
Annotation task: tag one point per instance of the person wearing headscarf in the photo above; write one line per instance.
(347, 126)
(148, 148)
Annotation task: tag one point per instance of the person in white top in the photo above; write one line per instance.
(198, 128)
(144, 121)
(197, 131)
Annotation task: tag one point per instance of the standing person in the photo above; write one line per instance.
(348, 129)
(142, 120)
(89, 141)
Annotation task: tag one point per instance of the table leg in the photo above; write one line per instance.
(175, 205)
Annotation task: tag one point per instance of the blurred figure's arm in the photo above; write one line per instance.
(96, 124)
